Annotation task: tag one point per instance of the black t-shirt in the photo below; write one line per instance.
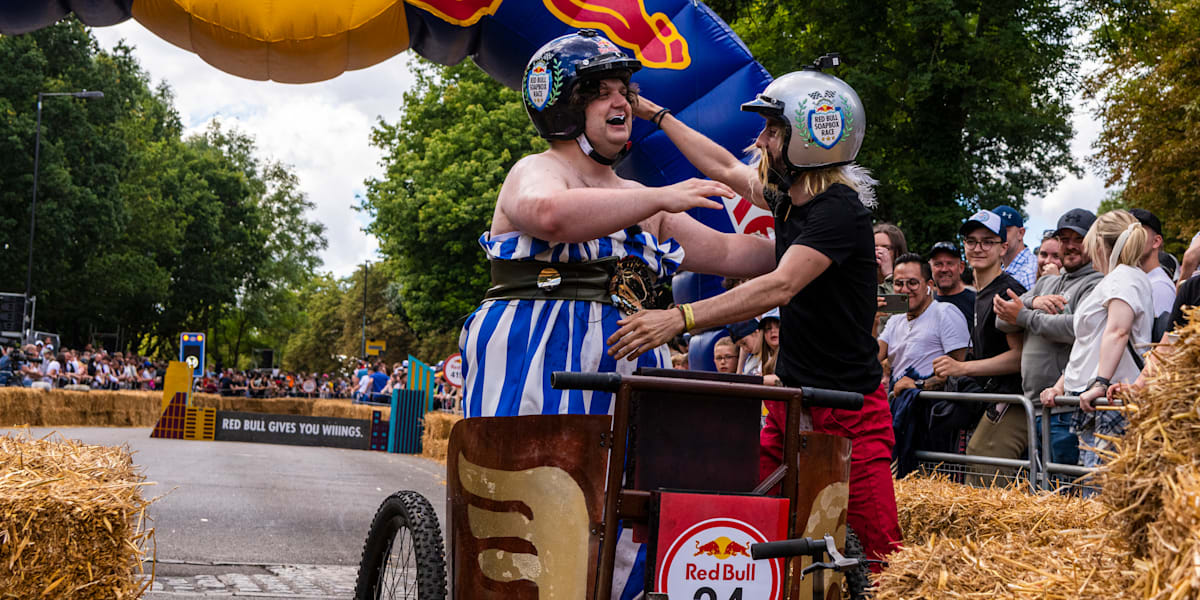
(965, 301)
(987, 340)
(825, 331)
(1188, 295)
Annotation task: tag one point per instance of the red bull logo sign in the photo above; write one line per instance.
(654, 39)
(712, 559)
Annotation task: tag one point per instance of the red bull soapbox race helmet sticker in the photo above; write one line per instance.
(543, 81)
(713, 556)
(828, 117)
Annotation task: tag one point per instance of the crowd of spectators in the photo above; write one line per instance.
(1074, 316)
(42, 366)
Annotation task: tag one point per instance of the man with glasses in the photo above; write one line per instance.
(996, 362)
(929, 330)
(1046, 315)
(1018, 260)
(946, 262)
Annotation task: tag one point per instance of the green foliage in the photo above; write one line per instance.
(330, 334)
(137, 229)
(1149, 101)
(1113, 200)
(966, 101)
(445, 159)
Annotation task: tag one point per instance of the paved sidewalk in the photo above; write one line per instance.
(185, 581)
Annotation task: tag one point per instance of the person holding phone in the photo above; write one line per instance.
(928, 330)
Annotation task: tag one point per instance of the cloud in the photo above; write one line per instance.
(321, 129)
(1071, 192)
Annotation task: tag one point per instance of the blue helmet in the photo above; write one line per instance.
(557, 68)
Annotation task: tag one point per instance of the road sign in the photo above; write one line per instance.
(453, 370)
(191, 351)
(376, 347)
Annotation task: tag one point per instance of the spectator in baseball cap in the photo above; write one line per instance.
(748, 339)
(946, 261)
(1160, 282)
(1018, 260)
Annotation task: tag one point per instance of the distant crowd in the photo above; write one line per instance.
(41, 365)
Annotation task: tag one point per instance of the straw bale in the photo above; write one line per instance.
(436, 437)
(1082, 564)
(73, 520)
(1153, 481)
(929, 506)
(963, 541)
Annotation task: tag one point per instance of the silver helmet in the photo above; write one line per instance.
(824, 117)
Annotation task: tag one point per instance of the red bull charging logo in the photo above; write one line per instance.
(722, 548)
(654, 39)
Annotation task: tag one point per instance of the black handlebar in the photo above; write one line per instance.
(787, 548)
(601, 382)
(831, 398)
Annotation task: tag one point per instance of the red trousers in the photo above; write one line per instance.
(872, 510)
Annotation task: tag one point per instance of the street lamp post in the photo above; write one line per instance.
(27, 318)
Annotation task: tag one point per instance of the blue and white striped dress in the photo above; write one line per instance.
(510, 347)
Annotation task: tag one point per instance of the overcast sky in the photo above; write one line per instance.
(322, 130)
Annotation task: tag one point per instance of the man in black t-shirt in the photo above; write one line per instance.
(946, 262)
(1187, 295)
(824, 281)
(996, 356)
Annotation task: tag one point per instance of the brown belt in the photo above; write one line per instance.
(536, 280)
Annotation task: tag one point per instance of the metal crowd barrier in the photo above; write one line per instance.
(1037, 467)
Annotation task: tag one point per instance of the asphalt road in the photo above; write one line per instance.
(236, 508)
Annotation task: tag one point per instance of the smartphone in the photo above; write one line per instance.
(895, 303)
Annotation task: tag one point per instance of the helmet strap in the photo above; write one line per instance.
(586, 145)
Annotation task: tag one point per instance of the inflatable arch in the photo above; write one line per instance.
(694, 63)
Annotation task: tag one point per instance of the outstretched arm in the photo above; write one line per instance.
(706, 250)
(649, 329)
(710, 157)
(535, 199)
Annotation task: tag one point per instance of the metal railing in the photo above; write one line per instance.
(1037, 466)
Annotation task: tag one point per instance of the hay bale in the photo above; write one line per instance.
(963, 541)
(936, 506)
(1153, 482)
(436, 437)
(73, 520)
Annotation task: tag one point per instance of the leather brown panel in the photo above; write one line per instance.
(532, 485)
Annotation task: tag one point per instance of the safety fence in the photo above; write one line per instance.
(1036, 466)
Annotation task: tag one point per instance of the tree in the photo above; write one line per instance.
(1149, 102)
(966, 100)
(139, 230)
(446, 157)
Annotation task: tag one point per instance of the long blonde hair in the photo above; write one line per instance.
(814, 182)
(1117, 236)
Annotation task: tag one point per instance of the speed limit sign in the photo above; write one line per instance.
(453, 366)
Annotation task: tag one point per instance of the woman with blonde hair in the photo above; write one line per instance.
(1110, 324)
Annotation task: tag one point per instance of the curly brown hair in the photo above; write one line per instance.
(589, 89)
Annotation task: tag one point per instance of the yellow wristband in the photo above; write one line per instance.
(689, 318)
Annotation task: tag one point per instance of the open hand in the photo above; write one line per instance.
(693, 193)
(644, 331)
(1007, 309)
(645, 108)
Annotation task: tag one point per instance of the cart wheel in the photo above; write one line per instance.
(403, 557)
(857, 582)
